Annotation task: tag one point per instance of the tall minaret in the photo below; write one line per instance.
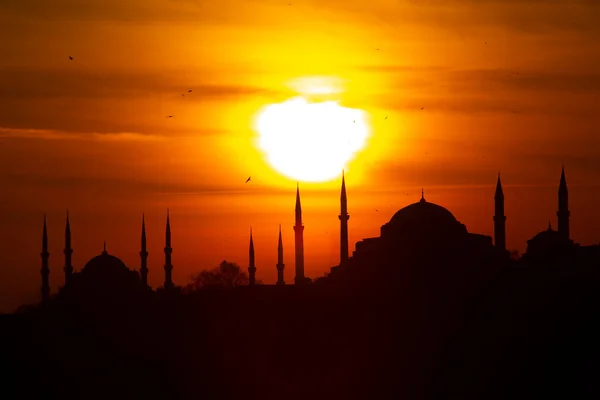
(252, 267)
(499, 217)
(563, 213)
(68, 253)
(168, 251)
(343, 217)
(298, 230)
(45, 269)
(144, 254)
(280, 265)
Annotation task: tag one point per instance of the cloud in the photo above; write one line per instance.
(45, 134)
(80, 100)
(71, 183)
(491, 90)
(80, 83)
(178, 12)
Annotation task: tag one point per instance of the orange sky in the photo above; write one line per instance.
(510, 86)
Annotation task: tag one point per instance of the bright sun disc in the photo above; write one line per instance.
(311, 141)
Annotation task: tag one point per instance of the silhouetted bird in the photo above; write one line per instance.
(70, 58)
(377, 210)
(182, 94)
(248, 180)
(422, 108)
(385, 117)
(189, 90)
(169, 116)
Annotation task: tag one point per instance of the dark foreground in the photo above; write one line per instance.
(522, 335)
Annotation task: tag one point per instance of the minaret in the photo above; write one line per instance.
(144, 254)
(343, 217)
(168, 251)
(499, 217)
(299, 236)
(563, 213)
(45, 269)
(68, 253)
(252, 267)
(280, 265)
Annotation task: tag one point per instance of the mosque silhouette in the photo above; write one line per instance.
(417, 235)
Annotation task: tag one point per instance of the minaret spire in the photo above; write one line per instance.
(299, 241)
(168, 251)
(280, 265)
(144, 254)
(563, 212)
(45, 269)
(252, 267)
(499, 217)
(68, 252)
(343, 217)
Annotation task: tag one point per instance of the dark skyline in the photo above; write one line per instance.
(537, 246)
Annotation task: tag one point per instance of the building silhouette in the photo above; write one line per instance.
(251, 267)
(420, 234)
(343, 217)
(499, 217)
(144, 254)
(280, 264)
(555, 247)
(299, 279)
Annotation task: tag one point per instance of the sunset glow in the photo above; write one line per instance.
(445, 95)
(311, 141)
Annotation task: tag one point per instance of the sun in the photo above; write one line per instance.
(311, 141)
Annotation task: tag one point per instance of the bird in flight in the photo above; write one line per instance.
(248, 180)
(385, 117)
(71, 58)
(169, 116)
(377, 210)
(189, 90)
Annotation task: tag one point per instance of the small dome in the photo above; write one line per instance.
(549, 235)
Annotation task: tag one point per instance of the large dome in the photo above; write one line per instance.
(423, 218)
(424, 213)
(105, 264)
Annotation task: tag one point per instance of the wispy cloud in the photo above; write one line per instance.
(492, 90)
(44, 134)
(80, 82)
(80, 100)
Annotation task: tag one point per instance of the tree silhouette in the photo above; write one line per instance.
(226, 275)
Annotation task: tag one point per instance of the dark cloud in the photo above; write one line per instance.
(521, 15)
(123, 187)
(446, 172)
(189, 12)
(472, 80)
(494, 90)
(103, 102)
(77, 83)
(587, 82)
